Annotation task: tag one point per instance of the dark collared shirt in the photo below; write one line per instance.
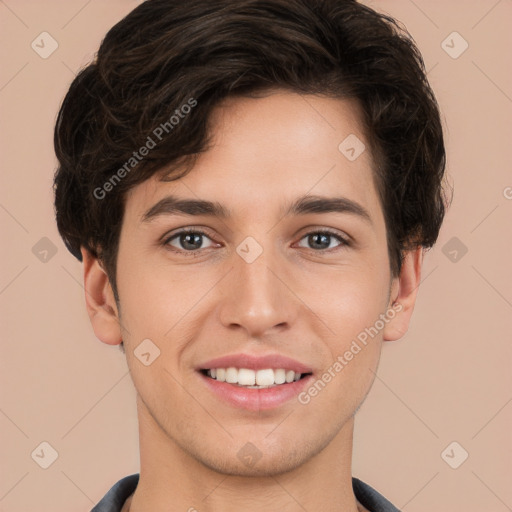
(114, 500)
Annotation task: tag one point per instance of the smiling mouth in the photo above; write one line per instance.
(254, 379)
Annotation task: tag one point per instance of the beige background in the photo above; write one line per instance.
(448, 380)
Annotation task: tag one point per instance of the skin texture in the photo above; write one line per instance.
(295, 299)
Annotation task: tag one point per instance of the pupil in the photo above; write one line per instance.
(195, 238)
(325, 239)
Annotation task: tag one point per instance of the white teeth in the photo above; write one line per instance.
(279, 376)
(231, 375)
(264, 377)
(253, 379)
(247, 377)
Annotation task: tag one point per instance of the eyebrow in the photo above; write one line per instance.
(304, 205)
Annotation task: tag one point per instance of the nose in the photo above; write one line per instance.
(257, 297)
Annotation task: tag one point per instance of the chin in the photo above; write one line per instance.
(263, 457)
(263, 467)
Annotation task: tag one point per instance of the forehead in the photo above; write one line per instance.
(270, 150)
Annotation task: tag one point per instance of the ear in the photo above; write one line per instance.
(404, 289)
(100, 301)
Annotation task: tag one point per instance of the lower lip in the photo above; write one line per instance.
(256, 399)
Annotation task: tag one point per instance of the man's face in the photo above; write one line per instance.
(259, 283)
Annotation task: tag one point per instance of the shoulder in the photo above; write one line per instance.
(371, 499)
(115, 498)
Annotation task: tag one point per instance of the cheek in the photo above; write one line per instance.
(155, 296)
(348, 299)
(350, 307)
(350, 304)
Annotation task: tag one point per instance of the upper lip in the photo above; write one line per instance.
(253, 362)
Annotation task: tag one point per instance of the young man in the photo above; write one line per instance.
(250, 186)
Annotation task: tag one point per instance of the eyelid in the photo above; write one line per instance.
(330, 231)
(169, 236)
(344, 239)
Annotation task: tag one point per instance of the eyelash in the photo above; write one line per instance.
(193, 253)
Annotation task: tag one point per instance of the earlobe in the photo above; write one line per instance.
(100, 301)
(403, 295)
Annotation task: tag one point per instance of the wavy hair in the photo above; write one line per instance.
(167, 51)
